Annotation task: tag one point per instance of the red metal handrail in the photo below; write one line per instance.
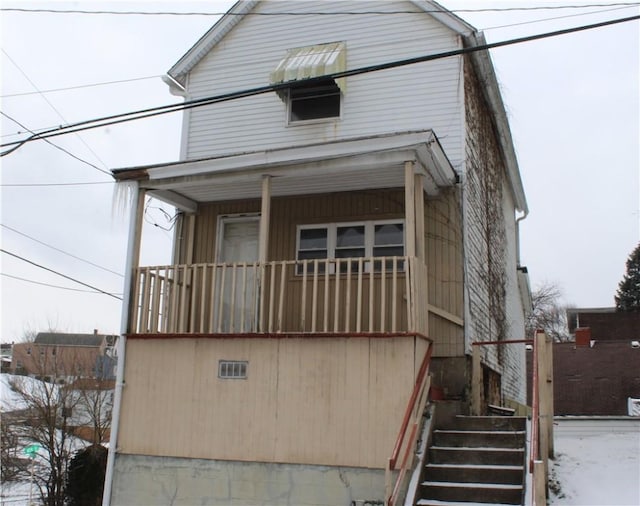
(411, 406)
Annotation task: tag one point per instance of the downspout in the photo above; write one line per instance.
(518, 220)
(131, 261)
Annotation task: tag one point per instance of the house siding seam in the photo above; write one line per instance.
(371, 104)
(490, 245)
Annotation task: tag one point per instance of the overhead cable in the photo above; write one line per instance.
(59, 274)
(59, 250)
(79, 86)
(48, 284)
(190, 104)
(314, 13)
(58, 113)
(56, 146)
(36, 185)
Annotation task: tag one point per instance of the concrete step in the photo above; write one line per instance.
(465, 473)
(491, 493)
(477, 456)
(461, 422)
(480, 438)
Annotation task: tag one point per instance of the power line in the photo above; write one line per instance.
(134, 79)
(27, 185)
(190, 104)
(315, 13)
(555, 18)
(60, 274)
(57, 112)
(59, 250)
(79, 86)
(56, 146)
(48, 284)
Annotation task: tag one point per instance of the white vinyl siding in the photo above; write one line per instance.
(416, 97)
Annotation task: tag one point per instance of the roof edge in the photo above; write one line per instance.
(234, 15)
(223, 26)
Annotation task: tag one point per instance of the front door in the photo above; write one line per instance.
(237, 286)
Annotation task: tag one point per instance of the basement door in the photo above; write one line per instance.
(238, 281)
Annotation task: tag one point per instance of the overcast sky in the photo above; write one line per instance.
(572, 101)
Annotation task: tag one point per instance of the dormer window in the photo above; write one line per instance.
(308, 99)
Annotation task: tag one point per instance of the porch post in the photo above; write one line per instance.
(419, 203)
(410, 208)
(263, 244)
(265, 215)
(476, 381)
(130, 282)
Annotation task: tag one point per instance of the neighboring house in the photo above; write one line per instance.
(58, 356)
(598, 372)
(330, 235)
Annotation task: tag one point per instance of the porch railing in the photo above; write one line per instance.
(356, 295)
(404, 450)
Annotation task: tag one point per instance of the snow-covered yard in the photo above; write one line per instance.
(597, 462)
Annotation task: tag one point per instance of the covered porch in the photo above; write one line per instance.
(284, 292)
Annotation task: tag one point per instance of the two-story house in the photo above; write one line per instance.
(61, 357)
(347, 209)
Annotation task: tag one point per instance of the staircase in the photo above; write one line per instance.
(479, 459)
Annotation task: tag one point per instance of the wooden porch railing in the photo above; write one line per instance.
(381, 294)
(541, 417)
(405, 445)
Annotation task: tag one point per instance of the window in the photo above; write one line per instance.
(351, 240)
(318, 101)
(232, 369)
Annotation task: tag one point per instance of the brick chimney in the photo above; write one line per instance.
(583, 336)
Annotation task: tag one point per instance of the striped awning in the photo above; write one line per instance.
(312, 61)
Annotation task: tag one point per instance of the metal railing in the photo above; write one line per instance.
(357, 295)
(405, 445)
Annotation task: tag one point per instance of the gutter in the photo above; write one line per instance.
(126, 297)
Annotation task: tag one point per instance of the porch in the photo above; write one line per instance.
(330, 296)
(391, 193)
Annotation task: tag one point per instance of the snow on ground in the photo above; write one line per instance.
(597, 466)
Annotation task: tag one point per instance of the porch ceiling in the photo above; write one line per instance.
(355, 164)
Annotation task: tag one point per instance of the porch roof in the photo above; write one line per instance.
(344, 165)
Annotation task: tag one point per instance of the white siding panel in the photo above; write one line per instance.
(416, 97)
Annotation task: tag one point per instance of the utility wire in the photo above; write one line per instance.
(541, 20)
(59, 274)
(57, 112)
(48, 284)
(315, 13)
(79, 86)
(105, 83)
(27, 185)
(189, 104)
(56, 146)
(59, 250)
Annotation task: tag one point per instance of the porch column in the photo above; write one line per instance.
(263, 246)
(419, 203)
(410, 209)
(265, 215)
(128, 307)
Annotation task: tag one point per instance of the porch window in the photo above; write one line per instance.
(351, 240)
